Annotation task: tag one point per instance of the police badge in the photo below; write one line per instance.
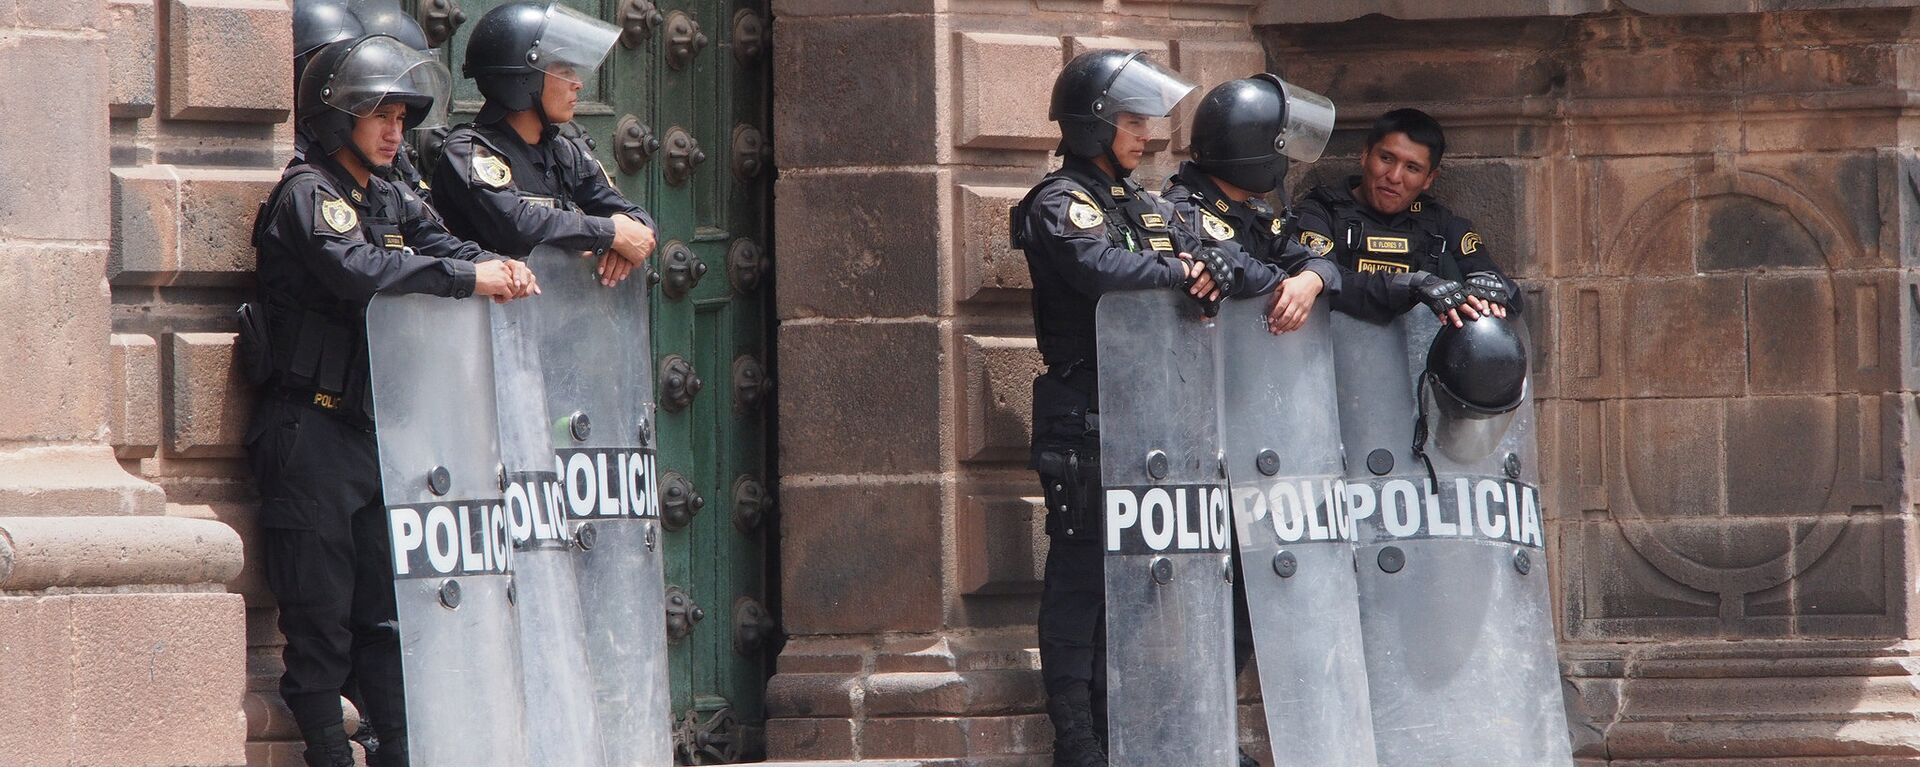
(1217, 229)
(490, 170)
(339, 215)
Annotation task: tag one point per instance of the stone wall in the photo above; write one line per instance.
(121, 642)
(1715, 217)
(911, 545)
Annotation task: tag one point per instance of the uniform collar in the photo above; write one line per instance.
(360, 196)
(1215, 201)
(1108, 189)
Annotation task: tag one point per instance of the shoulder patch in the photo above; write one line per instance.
(1084, 215)
(1469, 243)
(489, 170)
(338, 215)
(1214, 227)
(1317, 243)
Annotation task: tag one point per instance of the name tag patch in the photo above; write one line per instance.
(1387, 244)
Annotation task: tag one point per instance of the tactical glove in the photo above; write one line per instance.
(1488, 287)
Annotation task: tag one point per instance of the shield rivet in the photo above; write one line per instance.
(1513, 466)
(646, 433)
(439, 481)
(579, 426)
(1268, 462)
(1157, 464)
(586, 536)
(1162, 570)
(1380, 461)
(1392, 559)
(450, 594)
(1285, 564)
(1522, 562)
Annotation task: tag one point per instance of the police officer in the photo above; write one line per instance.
(332, 234)
(1243, 133)
(386, 17)
(319, 22)
(508, 180)
(1396, 245)
(1088, 229)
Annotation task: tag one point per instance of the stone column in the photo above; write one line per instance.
(1713, 208)
(910, 536)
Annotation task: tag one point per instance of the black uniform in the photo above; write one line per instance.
(326, 246)
(1252, 225)
(1372, 248)
(406, 166)
(1085, 235)
(498, 190)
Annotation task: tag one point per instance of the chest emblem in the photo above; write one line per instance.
(339, 216)
(1316, 242)
(491, 171)
(1153, 221)
(1274, 227)
(1215, 228)
(1084, 215)
(1469, 243)
(1387, 244)
(1416, 207)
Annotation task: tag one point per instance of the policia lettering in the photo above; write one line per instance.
(1492, 509)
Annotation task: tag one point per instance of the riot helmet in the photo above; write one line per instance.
(1245, 130)
(1475, 380)
(1097, 87)
(317, 23)
(348, 80)
(515, 46)
(386, 17)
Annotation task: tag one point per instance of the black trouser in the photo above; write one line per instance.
(328, 562)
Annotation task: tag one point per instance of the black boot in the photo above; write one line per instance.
(327, 747)
(1075, 743)
(1246, 759)
(393, 749)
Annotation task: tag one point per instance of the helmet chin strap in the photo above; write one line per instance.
(383, 171)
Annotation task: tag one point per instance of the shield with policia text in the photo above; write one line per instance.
(1282, 444)
(595, 352)
(1169, 607)
(1454, 606)
(562, 726)
(431, 371)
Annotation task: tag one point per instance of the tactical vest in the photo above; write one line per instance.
(1063, 317)
(1364, 245)
(1256, 240)
(554, 189)
(316, 345)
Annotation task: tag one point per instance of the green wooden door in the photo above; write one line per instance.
(679, 116)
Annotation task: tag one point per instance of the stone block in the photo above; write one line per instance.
(82, 479)
(810, 695)
(998, 421)
(1852, 589)
(1623, 199)
(229, 60)
(176, 659)
(134, 410)
(54, 193)
(1280, 12)
(1868, 327)
(838, 418)
(1495, 195)
(809, 738)
(1001, 544)
(969, 740)
(1782, 457)
(1672, 459)
(57, 318)
(209, 401)
(1207, 64)
(996, 90)
(951, 693)
(185, 226)
(1614, 593)
(842, 546)
(990, 269)
(36, 693)
(1792, 321)
(797, 8)
(919, 654)
(834, 114)
(1689, 338)
(101, 551)
(132, 55)
(859, 245)
(824, 655)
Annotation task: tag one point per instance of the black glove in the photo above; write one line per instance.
(1438, 293)
(1215, 261)
(1488, 287)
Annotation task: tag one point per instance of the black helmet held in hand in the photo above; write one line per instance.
(1482, 365)
(1098, 86)
(1245, 130)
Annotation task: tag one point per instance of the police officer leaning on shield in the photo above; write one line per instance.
(1396, 245)
(332, 234)
(1090, 229)
(509, 180)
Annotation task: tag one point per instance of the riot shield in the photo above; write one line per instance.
(562, 727)
(1454, 602)
(1282, 443)
(432, 378)
(1169, 604)
(599, 388)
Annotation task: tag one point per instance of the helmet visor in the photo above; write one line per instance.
(1309, 123)
(572, 44)
(1141, 88)
(381, 69)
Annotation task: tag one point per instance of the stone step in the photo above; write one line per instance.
(876, 763)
